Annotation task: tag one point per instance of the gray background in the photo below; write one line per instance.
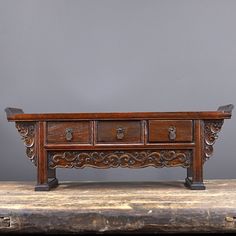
(123, 55)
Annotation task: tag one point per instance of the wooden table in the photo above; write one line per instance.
(127, 140)
(118, 207)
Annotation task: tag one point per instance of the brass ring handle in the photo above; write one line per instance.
(69, 134)
(172, 133)
(120, 133)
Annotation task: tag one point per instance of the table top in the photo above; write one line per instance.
(223, 112)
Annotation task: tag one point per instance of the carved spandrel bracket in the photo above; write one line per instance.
(211, 131)
(27, 132)
(125, 159)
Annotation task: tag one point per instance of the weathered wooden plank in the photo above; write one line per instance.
(118, 207)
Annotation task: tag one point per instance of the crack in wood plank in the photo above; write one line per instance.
(118, 207)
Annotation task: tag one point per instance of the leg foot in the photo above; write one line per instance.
(46, 187)
(194, 185)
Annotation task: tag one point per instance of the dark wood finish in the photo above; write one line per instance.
(80, 132)
(44, 175)
(42, 156)
(195, 182)
(119, 116)
(109, 140)
(29, 134)
(108, 132)
(124, 158)
(211, 131)
(159, 130)
(51, 173)
(119, 146)
(77, 208)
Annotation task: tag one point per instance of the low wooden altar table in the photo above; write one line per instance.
(110, 140)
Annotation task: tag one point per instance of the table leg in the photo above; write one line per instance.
(43, 184)
(194, 178)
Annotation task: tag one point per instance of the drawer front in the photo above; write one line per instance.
(69, 132)
(119, 132)
(170, 131)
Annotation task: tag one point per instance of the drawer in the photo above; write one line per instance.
(69, 132)
(119, 132)
(170, 131)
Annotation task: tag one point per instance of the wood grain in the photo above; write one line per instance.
(129, 139)
(158, 130)
(130, 207)
(81, 132)
(107, 132)
(120, 116)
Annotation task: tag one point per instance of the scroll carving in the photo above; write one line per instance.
(211, 130)
(27, 132)
(125, 159)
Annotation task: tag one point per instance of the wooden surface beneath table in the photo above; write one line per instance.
(118, 207)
